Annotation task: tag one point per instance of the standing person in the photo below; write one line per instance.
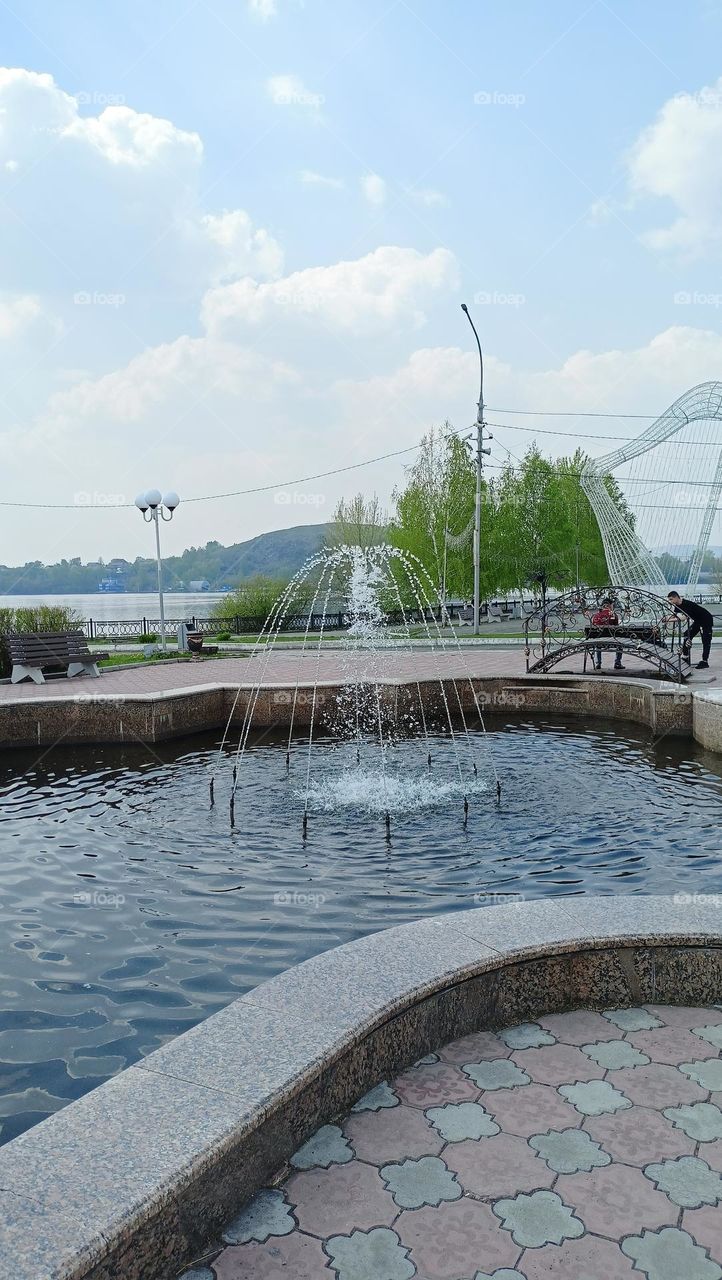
(700, 620)
(606, 617)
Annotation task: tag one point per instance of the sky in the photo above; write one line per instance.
(235, 236)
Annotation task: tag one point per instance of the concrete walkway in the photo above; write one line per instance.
(587, 1145)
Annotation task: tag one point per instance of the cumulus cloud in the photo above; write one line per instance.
(312, 179)
(679, 158)
(263, 9)
(389, 286)
(374, 188)
(18, 313)
(243, 249)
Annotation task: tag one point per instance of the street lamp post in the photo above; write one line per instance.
(480, 451)
(152, 506)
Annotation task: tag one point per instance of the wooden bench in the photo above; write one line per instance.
(31, 652)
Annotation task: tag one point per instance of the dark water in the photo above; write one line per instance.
(128, 910)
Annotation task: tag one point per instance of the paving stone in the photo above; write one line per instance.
(267, 1214)
(431, 1086)
(587, 1258)
(569, 1151)
(708, 1073)
(520, 1111)
(280, 1258)
(538, 1219)
(611, 1054)
(504, 1274)
(479, 1047)
(632, 1019)
(671, 1045)
(670, 1255)
(579, 1027)
(637, 1136)
(558, 1062)
(459, 1120)
(500, 1074)
(198, 1273)
(418, 1182)
(614, 1201)
(427, 1061)
(595, 1098)
(451, 1241)
(498, 1166)
(656, 1086)
(705, 1228)
(381, 1096)
(688, 1181)
(381, 1136)
(676, 1015)
(527, 1035)
(327, 1146)
(701, 1121)
(333, 1201)
(712, 1153)
(370, 1255)
(711, 1034)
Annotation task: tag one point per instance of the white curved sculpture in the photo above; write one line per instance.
(628, 560)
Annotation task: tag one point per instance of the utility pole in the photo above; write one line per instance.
(480, 451)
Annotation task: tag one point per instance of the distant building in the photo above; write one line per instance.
(200, 584)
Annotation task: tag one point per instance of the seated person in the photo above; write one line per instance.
(606, 617)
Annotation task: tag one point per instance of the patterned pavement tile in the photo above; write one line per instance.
(523, 1111)
(267, 1214)
(671, 1045)
(381, 1136)
(707, 1073)
(569, 1151)
(500, 1074)
(612, 1054)
(453, 1240)
(538, 1219)
(587, 1258)
(377, 1099)
(677, 1015)
(615, 1201)
(656, 1086)
(427, 1060)
(705, 1227)
(689, 1182)
(558, 1062)
(595, 1098)
(433, 1085)
(295, 1255)
(712, 1153)
(418, 1182)
(197, 1273)
(475, 1048)
(710, 1034)
(327, 1146)
(632, 1019)
(372, 1255)
(638, 1136)
(701, 1121)
(527, 1035)
(331, 1201)
(579, 1027)
(503, 1274)
(670, 1255)
(459, 1120)
(498, 1166)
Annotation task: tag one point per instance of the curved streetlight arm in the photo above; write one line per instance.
(480, 411)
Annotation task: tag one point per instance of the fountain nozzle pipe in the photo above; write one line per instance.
(498, 791)
(212, 798)
(388, 823)
(233, 808)
(305, 824)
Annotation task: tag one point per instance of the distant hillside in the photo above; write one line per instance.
(278, 554)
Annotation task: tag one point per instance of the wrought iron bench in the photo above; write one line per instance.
(31, 653)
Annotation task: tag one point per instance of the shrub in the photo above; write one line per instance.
(148, 637)
(223, 635)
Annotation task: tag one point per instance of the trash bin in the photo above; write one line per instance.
(195, 641)
(182, 637)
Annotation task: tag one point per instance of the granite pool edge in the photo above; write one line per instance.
(134, 1178)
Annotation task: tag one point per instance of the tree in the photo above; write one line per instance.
(358, 522)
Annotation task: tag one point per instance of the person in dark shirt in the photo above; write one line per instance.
(700, 620)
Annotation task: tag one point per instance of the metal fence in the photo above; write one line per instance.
(131, 628)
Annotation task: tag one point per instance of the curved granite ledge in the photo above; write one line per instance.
(133, 1179)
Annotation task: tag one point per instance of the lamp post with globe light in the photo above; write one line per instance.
(152, 506)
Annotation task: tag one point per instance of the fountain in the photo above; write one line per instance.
(384, 594)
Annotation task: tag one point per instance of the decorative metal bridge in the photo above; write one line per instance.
(564, 627)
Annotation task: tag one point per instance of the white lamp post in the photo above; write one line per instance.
(153, 506)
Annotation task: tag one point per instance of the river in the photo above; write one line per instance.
(124, 606)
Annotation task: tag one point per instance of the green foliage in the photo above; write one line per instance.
(148, 637)
(223, 636)
(357, 522)
(254, 599)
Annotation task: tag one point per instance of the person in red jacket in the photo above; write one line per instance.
(606, 617)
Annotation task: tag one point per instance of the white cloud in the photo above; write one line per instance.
(679, 158)
(382, 289)
(18, 313)
(312, 179)
(243, 249)
(290, 91)
(263, 9)
(374, 188)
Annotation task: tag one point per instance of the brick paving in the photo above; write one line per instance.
(584, 1146)
(284, 667)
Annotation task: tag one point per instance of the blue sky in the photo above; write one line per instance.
(181, 185)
